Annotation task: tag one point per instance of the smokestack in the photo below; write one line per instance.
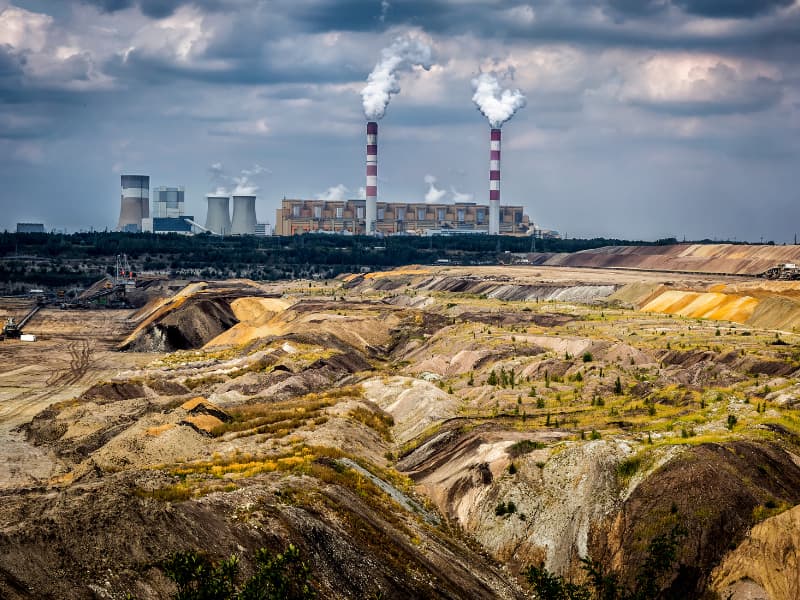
(134, 202)
(371, 211)
(244, 215)
(218, 217)
(494, 182)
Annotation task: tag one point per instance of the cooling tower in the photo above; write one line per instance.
(134, 202)
(218, 217)
(244, 215)
(494, 183)
(372, 178)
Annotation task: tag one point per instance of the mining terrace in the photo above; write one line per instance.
(386, 423)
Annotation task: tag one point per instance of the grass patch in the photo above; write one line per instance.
(206, 380)
(769, 509)
(523, 447)
(380, 421)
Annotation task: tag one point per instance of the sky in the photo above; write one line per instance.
(644, 119)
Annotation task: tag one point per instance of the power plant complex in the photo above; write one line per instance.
(169, 214)
(364, 216)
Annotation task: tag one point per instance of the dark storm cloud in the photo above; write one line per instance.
(731, 8)
(717, 9)
(759, 100)
(157, 9)
(138, 66)
(360, 15)
(11, 64)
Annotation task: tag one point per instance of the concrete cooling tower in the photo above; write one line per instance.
(134, 202)
(218, 217)
(244, 215)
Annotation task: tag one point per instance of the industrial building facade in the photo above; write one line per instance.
(304, 216)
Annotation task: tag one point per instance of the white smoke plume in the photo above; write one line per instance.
(382, 83)
(241, 184)
(433, 194)
(460, 196)
(495, 104)
(336, 192)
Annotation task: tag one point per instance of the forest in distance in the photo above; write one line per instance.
(55, 259)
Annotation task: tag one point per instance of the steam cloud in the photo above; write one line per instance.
(336, 192)
(236, 185)
(434, 194)
(495, 104)
(382, 83)
(460, 196)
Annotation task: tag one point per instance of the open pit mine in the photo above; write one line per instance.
(426, 432)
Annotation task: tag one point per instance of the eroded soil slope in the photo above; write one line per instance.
(428, 436)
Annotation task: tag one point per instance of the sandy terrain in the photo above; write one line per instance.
(73, 350)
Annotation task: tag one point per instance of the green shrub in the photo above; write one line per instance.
(282, 576)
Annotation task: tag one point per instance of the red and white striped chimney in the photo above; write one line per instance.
(372, 178)
(494, 183)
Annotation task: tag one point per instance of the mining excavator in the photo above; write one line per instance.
(11, 329)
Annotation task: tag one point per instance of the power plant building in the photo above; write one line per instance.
(168, 202)
(391, 218)
(134, 202)
(30, 227)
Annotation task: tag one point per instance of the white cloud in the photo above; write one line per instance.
(699, 83)
(23, 29)
(257, 127)
(522, 14)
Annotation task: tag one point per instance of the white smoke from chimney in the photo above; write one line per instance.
(334, 193)
(460, 197)
(433, 194)
(382, 83)
(495, 104)
(362, 193)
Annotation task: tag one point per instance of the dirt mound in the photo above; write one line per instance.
(357, 545)
(696, 305)
(713, 490)
(255, 316)
(693, 258)
(104, 392)
(415, 404)
(766, 562)
(557, 496)
(776, 313)
(189, 326)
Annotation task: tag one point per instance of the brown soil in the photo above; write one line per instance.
(712, 491)
(192, 325)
